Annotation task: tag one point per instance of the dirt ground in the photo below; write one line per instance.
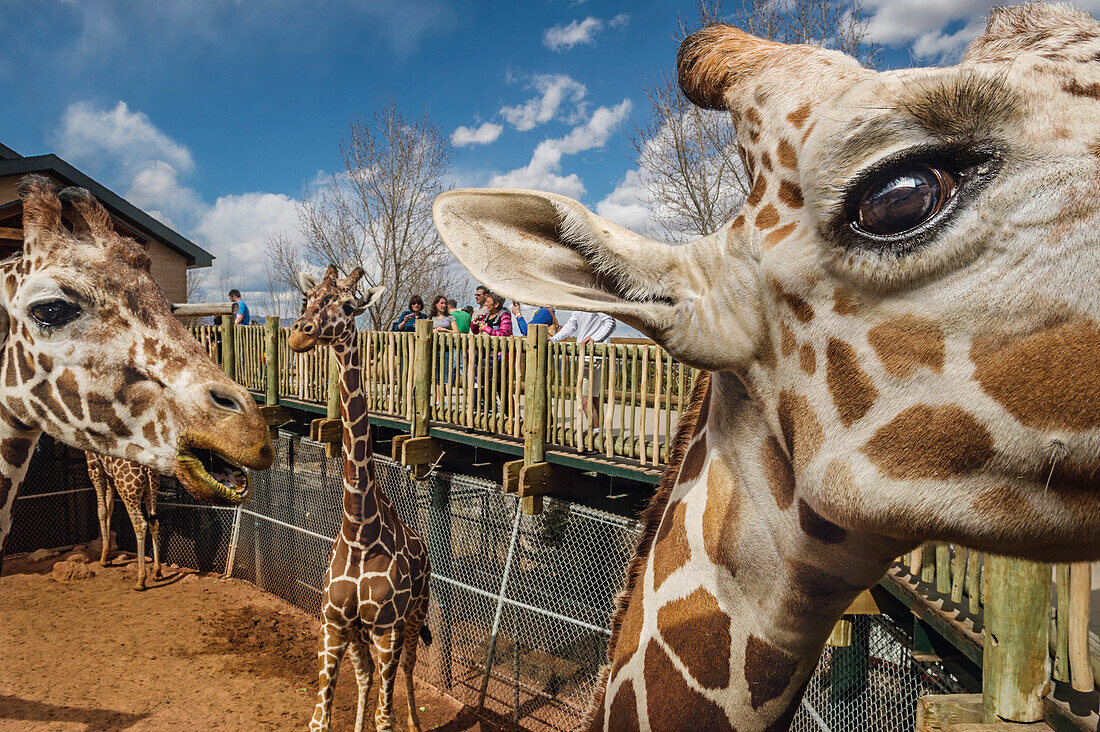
(193, 652)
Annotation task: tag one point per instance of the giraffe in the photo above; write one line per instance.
(93, 357)
(376, 586)
(900, 330)
(136, 485)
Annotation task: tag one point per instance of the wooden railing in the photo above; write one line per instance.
(619, 400)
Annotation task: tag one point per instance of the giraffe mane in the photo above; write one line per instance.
(651, 521)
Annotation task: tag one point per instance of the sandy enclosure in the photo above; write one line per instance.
(193, 652)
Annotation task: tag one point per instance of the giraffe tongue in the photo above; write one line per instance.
(218, 469)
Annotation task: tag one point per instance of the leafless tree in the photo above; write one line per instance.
(687, 159)
(377, 212)
(283, 259)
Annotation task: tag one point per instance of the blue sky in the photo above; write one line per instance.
(218, 115)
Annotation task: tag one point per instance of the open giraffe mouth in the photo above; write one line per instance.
(211, 477)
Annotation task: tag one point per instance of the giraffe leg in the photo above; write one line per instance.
(331, 644)
(387, 644)
(154, 522)
(359, 650)
(408, 656)
(102, 503)
(132, 500)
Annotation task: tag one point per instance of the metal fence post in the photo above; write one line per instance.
(1016, 657)
(492, 649)
(229, 352)
(231, 555)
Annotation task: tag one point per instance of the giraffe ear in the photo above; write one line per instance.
(701, 301)
(373, 295)
(90, 221)
(306, 282)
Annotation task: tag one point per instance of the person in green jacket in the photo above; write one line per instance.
(462, 318)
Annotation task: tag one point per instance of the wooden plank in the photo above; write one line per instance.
(1080, 591)
(864, 604)
(536, 480)
(326, 430)
(201, 309)
(417, 451)
(11, 234)
(510, 476)
(275, 415)
(395, 447)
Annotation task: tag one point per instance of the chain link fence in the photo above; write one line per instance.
(521, 605)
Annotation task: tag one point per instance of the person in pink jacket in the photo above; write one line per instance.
(496, 320)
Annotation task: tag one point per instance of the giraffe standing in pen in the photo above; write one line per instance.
(376, 588)
(92, 356)
(136, 485)
(902, 334)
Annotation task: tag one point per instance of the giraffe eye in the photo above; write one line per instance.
(55, 313)
(348, 308)
(903, 198)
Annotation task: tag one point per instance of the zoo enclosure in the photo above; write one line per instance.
(522, 602)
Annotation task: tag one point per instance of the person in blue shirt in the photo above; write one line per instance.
(240, 309)
(406, 321)
(544, 316)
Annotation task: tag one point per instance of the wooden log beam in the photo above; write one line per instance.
(10, 234)
(201, 309)
(961, 713)
(536, 479)
(328, 431)
(395, 447)
(417, 451)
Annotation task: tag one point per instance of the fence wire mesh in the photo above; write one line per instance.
(550, 604)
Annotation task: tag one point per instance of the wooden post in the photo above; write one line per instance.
(1061, 625)
(271, 374)
(1016, 660)
(534, 407)
(1080, 589)
(332, 449)
(229, 353)
(422, 378)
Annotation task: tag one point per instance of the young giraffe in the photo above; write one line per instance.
(135, 484)
(93, 356)
(376, 587)
(902, 331)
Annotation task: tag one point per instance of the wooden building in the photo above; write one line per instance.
(171, 253)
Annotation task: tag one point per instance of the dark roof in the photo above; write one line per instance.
(11, 163)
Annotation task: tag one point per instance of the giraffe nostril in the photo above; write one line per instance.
(225, 400)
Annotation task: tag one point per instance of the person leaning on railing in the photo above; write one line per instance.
(406, 321)
(544, 316)
(589, 328)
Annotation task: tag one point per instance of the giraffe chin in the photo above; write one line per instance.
(211, 478)
(299, 342)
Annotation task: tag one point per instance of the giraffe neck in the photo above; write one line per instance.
(16, 445)
(363, 500)
(741, 588)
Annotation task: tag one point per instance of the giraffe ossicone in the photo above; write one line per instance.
(902, 330)
(375, 600)
(93, 357)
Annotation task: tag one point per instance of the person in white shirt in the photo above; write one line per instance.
(589, 328)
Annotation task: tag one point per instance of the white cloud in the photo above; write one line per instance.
(554, 91)
(483, 135)
(627, 205)
(128, 138)
(564, 37)
(543, 172)
(156, 188)
(236, 227)
(619, 20)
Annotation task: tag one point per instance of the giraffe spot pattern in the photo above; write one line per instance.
(15, 451)
(786, 154)
(786, 339)
(670, 549)
(722, 517)
(852, 390)
(768, 671)
(777, 472)
(774, 237)
(799, 116)
(69, 391)
(907, 342)
(630, 633)
(756, 193)
(698, 632)
(844, 302)
(1037, 378)
(623, 714)
(927, 441)
(801, 430)
(807, 359)
(816, 595)
(818, 527)
(671, 704)
(801, 309)
(767, 217)
(790, 194)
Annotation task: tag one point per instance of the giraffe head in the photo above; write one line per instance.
(331, 307)
(93, 356)
(910, 294)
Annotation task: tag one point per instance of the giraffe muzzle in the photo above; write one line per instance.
(211, 477)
